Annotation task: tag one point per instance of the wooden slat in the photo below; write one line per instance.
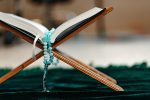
(20, 67)
(83, 27)
(87, 71)
(89, 67)
(19, 34)
(59, 56)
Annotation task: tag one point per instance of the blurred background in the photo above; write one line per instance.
(121, 37)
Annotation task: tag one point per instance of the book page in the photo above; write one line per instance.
(37, 29)
(75, 21)
(23, 24)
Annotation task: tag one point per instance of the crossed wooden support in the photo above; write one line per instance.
(86, 69)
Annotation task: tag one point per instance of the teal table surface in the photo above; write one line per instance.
(67, 84)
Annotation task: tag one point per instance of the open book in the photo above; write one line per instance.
(32, 29)
(28, 30)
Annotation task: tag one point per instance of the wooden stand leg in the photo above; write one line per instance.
(68, 61)
(88, 71)
(20, 67)
(90, 68)
(101, 77)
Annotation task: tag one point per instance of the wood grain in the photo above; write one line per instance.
(87, 71)
(75, 63)
(20, 67)
(90, 68)
(83, 27)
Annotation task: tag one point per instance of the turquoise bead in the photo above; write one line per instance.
(45, 43)
(50, 48)
(48, 54)
(45, 53)
(45, 49)
(45, 56)
(51, 54)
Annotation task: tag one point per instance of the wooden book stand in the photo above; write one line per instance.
(88, 70)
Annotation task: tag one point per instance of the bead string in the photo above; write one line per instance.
(48, 55)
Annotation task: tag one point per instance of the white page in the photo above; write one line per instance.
(22, 23)
(74, 20)
(38, 29)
